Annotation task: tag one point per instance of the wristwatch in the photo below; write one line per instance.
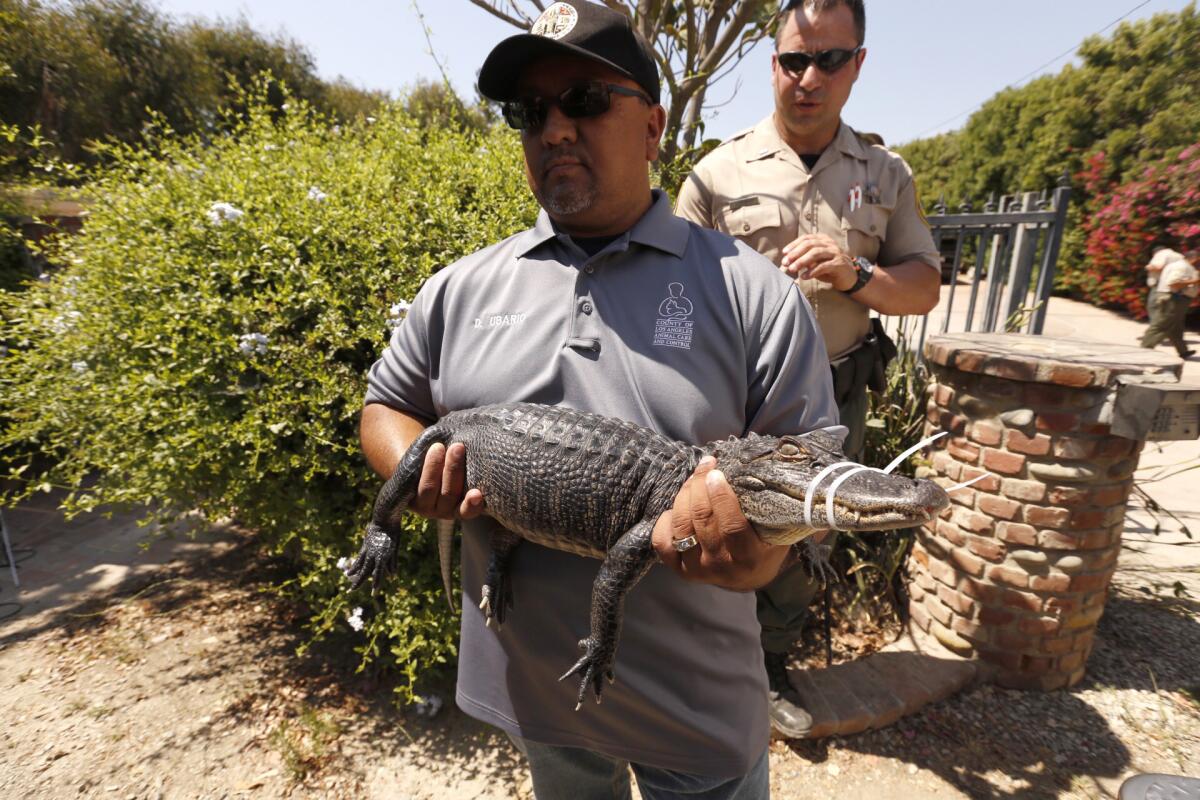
(863, 270)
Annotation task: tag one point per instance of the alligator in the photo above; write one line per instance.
(594, 486)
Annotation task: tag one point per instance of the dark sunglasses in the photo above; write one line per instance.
(828, 61)
(588, 99)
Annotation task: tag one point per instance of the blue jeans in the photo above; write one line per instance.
(572, 773)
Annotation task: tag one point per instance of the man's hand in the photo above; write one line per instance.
(729, 552)
(817, 256)
(441, 491)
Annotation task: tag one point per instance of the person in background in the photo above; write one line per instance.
(1176, 287)
(838, 212)
(1154, 268)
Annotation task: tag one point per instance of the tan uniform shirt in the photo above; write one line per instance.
(755, 187)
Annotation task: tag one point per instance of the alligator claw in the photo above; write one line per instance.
(497, 600)
(595, 666)
(485, 605)
(376, 560)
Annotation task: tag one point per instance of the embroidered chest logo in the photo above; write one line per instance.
(494, 321)
(673, 328)
(556, 21)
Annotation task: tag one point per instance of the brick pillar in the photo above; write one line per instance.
(1016, 570)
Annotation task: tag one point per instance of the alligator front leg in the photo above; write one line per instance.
(627, 561)
(377, 558)
(497, 590)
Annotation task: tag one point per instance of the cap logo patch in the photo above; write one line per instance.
(556, 21)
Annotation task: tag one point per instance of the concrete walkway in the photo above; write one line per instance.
(62, 563)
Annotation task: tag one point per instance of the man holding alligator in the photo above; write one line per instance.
(828, 205)
(609, 304)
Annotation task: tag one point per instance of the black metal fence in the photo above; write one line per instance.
(1002, 258)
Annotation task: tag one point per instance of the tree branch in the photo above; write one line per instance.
(496, 12)
(746, 10)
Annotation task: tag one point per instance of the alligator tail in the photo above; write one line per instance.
(445, 545)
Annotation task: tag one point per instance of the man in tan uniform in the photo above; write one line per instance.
(838, 212)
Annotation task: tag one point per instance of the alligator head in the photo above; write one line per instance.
(783, 485)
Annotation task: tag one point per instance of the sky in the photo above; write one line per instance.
(929, 62)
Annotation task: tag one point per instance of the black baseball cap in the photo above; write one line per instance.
(578, 28)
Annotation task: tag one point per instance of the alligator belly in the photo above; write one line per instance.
(568, 543)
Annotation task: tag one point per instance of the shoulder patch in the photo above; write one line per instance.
(920, 207)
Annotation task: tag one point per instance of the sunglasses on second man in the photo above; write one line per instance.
(587, 99)
(828, 61)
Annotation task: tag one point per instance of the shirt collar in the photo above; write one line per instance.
(766, 142)
(849, 143)
(658, 228)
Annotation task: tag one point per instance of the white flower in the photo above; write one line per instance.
(79, 366)
(397, 313)
(44, 277)
(429, 707)
(354, 618)
(337, 129)
(220, 213)
(268, 147)
(285, 106)
(250, 343)
(316, 195)
(344, 563)
(65, 322)
(370, 120)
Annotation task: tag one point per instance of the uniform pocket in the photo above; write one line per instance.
(745, 220)
(865, 228)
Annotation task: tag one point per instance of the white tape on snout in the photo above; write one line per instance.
(812, 488)
(833, 492)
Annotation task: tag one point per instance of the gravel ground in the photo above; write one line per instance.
(188, 684)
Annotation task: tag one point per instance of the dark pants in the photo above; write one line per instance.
(1168, 315)
(783, 603)
(570, 773)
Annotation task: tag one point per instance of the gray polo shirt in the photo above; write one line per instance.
(680, 329)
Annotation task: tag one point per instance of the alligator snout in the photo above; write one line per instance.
(787, 503)
(864, 499)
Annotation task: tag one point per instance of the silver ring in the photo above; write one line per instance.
(683, 545)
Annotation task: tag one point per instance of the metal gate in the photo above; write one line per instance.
(1003, 260)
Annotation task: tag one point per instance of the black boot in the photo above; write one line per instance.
(788, 716)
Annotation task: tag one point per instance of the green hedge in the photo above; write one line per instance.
(194, 355)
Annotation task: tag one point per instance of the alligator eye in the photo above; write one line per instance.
(789, 450)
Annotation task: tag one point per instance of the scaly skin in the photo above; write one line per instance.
(594, 486)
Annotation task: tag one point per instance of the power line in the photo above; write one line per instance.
(1035, 71)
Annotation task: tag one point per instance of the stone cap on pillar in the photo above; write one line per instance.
(1074, 363)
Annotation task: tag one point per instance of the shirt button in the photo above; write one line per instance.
(586, 308)
(589, 269)
(746, 227)
(872, 229)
